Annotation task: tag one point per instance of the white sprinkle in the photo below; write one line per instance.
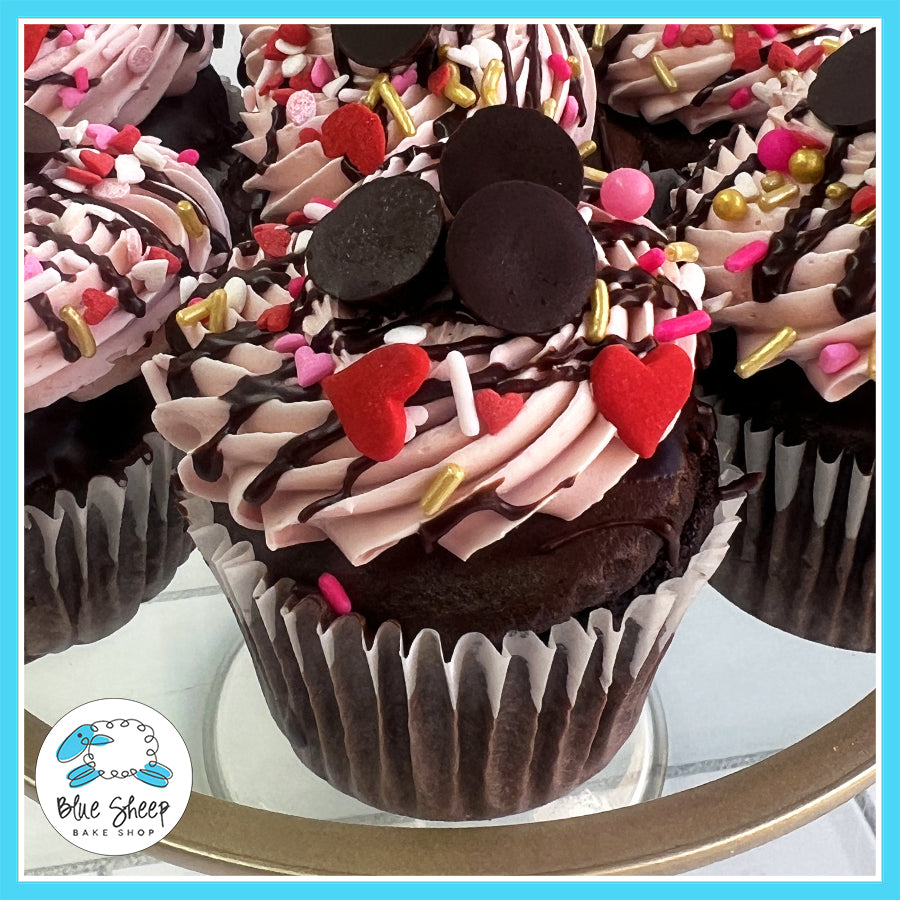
(487, 50)
(870, 176)
(746, 186)
(301, 240)
(128, 169)
(585, 212)
(333, 87)
(415, 417)
(316, 211)
(293, 65)
(153, 272)
(186, 287)
(149, 156)
(76, 136)
(74, 187)
(236, 293)
(692, 280)
(463, 395)
(69, 220)
(406, 334)
(351, 95)
(463, 56)
(289, 49)
(642, 50)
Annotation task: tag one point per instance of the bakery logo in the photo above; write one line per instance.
(113, 777)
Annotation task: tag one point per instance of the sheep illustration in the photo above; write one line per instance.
(117, 748)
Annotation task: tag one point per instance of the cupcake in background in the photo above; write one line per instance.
(457, 533)
(114, 225)
(785, 227)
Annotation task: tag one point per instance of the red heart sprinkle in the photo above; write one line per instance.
(99, 163)
(747, 45)
(356, 132)
(82, 176)
(273, 240)
(125, 140)
(696, 34)
(439, 79)
(863, 199)
(368, 397)
(282, 95)
(174, 266)
(641, 397)
(275, 318)
(34, 36)
(271, 51)
(303, 81)
(496, 411)
(307, 136)
(810, 57)
(781, 57)
(298, 35)
(97, 305)
(274, 82)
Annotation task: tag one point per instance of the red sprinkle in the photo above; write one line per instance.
(297, 217)
(356, 132)
(275, 318)
(174, 266)
(33, 37)
(99, 163)
(810, 57)
(295, 285)
(271, 51)
(97, 305)
(863, 199)
(496, 411)
(439, 79)
(273, 240)
(670, 35)
(302, 81)
(334, 593)
(82, 176)
(307, 136)
(282, 95)
(746, 49)
(189, 156)
(740, 98)
(298, 35)
(652, 259)
(125, 140)
(696, 33)
(274, 82)
(781, 57)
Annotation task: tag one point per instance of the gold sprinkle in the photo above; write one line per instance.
(189, 218)
(771, 180)
(872, 366)
(836, 190)
(490, 81)
(598, 317)
(829, 45)
(586, 149)
(727, 32)
(763, 355)
(803, 30)
(866, 219)
(730, 204)
(373, 95)
(548, 107)
(396, 108)
(595, 175)
(781, 196)
(456, 92)
(807, 165)
(682, 251)
(193, 314)
(441, 488)
(575, 65)
(443, 50)
(79, 331)
(666, 78)
(218, 311)
(598, 39)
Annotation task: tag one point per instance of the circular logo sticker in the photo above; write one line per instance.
(113, 777)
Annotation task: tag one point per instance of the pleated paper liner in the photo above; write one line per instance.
(88, 568)
(803, 557)
(487, 734)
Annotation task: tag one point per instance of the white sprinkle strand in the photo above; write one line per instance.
(406, 334)
(463, 395)
(642, 50)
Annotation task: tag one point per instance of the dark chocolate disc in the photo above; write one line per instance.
(509, 143)
(843, 92)
(379, 237)
(41, 140)
(521, 258)
(380, 46)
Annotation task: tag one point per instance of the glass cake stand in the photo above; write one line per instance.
(761, 733)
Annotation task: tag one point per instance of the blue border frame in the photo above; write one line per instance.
(10, 715)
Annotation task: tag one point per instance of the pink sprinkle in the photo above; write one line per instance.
(65, 39)
(766, 32)
(405, 80)
(70, 97)
(740, 98)
(749, 255)
(300, 107)
(835, 357)
(295, 285)
(312, 367)
(189, 156)
(569, 118)
(321, 73)
(101, 135)
(81, 78)
(288, 343)
(32, 266)
(334, 593)
(627, 193)
(682, 326)
(194, 300)
(559, 66)
(670, 35)
(776, 147)
(652, 259)
(77, 31)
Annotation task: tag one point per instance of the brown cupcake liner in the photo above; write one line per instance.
(803, 557)
(487, 734)
(89, 567)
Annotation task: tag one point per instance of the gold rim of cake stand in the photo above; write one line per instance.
(661, 837)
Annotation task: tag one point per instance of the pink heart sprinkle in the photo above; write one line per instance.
(559, 66)
(70, 97)
(312, 367)
(405, 80)
(321, 72)
(65, 39)
(77, 31)
(670, 35)
(189, 156)
(288, 343)
(300, 107)
(837, 356)
(295, 285)
(101, 135)
(32, 266)
(81, 78)
(569, 118)
(740, 98)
